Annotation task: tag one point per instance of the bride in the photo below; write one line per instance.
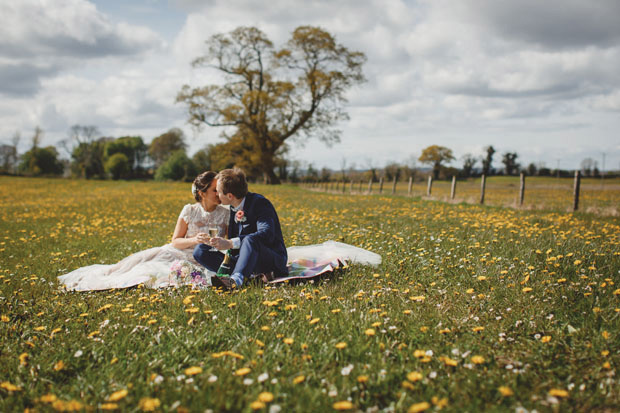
(152, 267)
(160, 266)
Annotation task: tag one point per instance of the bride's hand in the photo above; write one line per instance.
(203, 238)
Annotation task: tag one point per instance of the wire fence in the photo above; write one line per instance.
(592, 195)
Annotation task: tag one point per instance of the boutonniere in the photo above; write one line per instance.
(240, 216)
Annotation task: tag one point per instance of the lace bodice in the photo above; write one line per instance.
(199, 220)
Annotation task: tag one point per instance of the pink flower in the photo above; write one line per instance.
(240, 216)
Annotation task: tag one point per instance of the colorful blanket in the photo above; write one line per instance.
(304, 268)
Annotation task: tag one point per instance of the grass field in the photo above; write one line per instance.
(601, 197)
(473, 309)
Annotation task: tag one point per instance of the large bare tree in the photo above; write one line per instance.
(268, 96)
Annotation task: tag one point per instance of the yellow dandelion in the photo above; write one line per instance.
(362, 379)
(105, 307)
(265, 397)
(440, 403)
(288, 341)
(59, 365)
(414, 376)
(526, 290)
(505, 391)
(341, 345)
(477, 329)
(477, 359)
(117, 395)
(108, 406)
(370, 332)
(545, 339)
(243, 371)
(9, 387)
(448, 361)
(343, 405)
(558, 393)
(314, 321)
(148, 404)
(5, 319)
(23, 359)
(418, 407)
(299, 379)
(605, 334)
(47, 398)
(192, 371)
(407, 385)
(257, 405)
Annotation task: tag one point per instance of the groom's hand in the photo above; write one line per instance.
(221, 243)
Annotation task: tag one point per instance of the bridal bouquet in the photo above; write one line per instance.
(185, 273)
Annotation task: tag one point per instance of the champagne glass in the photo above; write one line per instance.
(213, 230)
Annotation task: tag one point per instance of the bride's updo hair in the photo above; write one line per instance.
(201, 183)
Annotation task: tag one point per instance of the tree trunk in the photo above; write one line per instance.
(271, 178)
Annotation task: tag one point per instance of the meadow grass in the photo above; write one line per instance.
(473, 309)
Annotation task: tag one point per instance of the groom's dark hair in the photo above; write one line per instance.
(233, 182)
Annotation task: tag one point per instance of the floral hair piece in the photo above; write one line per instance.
(194, 190)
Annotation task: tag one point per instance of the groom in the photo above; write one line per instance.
(254, 234)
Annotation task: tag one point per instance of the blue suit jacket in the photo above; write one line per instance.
(261, 223)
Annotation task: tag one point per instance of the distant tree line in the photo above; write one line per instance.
(93, 156)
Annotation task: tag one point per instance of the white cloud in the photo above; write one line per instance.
(40, 38)
(529, 76)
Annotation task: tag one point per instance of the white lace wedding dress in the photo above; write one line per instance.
(149, 267)
(152, 267)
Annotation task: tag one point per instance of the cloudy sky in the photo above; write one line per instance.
(541, 78)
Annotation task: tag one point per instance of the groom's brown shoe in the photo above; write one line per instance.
(226, 283)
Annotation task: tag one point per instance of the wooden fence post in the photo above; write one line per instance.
(453, 189)
(351, 187)
(370, 186)
(482, 187)
(394, 186)
(360, 190)
(410, 186)
(381, 185)
(521, 188)
(576, 190)
(429, 186)
(344, 186)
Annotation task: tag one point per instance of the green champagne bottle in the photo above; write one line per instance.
(225, 268)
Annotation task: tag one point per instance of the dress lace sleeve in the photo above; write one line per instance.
(186, 213)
